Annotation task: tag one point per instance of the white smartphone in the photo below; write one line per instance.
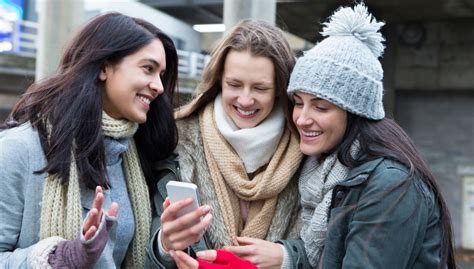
(178, 190)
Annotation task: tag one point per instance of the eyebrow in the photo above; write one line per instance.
(263, 83)
(154, 62)
(312, 99)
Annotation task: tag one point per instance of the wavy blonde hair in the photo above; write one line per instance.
(261, 39)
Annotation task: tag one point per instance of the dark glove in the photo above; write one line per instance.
(226, 260)
(79, 253)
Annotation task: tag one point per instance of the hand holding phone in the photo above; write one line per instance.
(193, 219)
(181, 190)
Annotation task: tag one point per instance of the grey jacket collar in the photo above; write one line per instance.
(361, 173)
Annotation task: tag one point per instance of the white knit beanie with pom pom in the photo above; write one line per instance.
(344, 68)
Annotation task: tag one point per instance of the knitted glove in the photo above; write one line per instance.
(226, 260)
(79, 253)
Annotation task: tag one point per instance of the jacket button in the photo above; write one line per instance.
(340, 195)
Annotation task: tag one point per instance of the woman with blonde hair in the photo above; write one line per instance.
(235, 145)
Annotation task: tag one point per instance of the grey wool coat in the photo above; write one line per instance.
(20, 198)
(286, 222)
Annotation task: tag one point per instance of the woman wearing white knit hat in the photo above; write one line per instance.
(368, 198)
(76, 142)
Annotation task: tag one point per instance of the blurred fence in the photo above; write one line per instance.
(22, 40)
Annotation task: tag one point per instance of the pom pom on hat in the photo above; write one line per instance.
(344, 68)
(359, 23)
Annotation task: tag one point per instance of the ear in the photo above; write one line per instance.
(104, 72)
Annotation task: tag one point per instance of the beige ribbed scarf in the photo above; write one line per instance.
(231, 180)
(61, 212)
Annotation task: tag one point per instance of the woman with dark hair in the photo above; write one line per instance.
(84, 139)
(235, 145)
(369, 200)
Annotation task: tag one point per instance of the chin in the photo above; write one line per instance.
(141, 120)
(138, 119)
(306, 150)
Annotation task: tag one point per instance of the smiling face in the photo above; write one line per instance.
(321, 124)
(133, 83)
(248, 88)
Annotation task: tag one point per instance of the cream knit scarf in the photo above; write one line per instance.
(231, 180)
(255, 146)
(316, 184)
(61, 212)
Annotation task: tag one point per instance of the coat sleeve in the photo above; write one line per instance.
(14, 167)
(387, 224)
(165, 171)
(296, 252)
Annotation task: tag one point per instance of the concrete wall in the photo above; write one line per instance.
(434, 100)
(441, 123)
(443, 61)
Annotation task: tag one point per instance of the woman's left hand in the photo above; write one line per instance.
(91, 224)
(211, 259)
(183, 260)
(262, 253)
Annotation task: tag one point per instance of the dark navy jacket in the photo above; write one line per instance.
(379, 218)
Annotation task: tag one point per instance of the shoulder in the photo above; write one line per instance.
(189, 131)
(188, 124)
(392, 179)
(390, 172)
(19, 142)
(378, 172)
(22, 133)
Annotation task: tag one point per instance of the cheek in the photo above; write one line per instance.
(269, 104)
(229, 97)
(341, 130)
(295, 115)
(226, 99)
(268, 101)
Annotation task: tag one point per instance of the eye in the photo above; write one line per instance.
(232, 84)
(262, 89)
(321, 108)
(298, 103)
(148, 68)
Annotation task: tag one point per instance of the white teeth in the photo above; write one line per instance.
(246, 113)
(144, 99)
(311, 133)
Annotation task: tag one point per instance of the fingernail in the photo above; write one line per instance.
(200, 254)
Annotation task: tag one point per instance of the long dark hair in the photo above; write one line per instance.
(385, 138)
(71, 100)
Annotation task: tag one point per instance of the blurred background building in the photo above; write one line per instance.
(428, 63)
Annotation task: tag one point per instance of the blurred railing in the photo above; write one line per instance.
(23, 40)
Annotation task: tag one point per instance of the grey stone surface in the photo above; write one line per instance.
(442, 126)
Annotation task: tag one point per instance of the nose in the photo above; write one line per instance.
(156, 86)
(302, 118)
(246, 99)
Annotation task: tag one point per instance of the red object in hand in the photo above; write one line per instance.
(226, 260)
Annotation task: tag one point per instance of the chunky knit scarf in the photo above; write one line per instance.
(61, 213)
(255, 146)
(317, 181)
(232, 182)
